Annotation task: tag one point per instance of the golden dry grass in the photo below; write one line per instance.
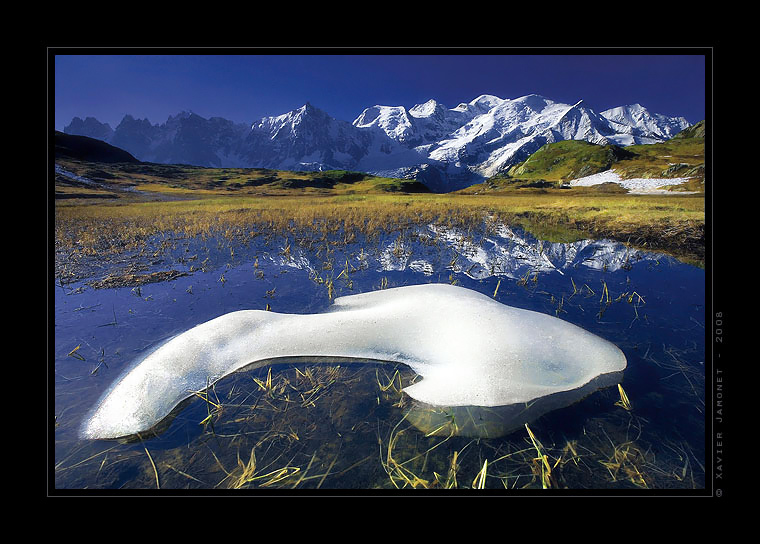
(667, 223)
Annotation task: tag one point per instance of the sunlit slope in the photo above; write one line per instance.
(184, 179)
(554, 164)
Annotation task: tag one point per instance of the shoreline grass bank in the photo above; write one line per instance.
(672, 224)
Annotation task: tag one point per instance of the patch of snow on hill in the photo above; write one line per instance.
(634, 185)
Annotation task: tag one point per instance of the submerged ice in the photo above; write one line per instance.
(469, 349)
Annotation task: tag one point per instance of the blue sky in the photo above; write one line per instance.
(245, 88)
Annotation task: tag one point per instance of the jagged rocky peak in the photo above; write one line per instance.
(305, 111)
(131, 122)
(89, 127)
(292, 119)
(183, 116)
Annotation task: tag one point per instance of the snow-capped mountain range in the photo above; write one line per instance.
(445, 148)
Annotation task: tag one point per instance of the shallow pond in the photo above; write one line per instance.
(306, 425)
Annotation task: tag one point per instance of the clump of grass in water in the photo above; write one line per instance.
(450, 481)
(266, 385)
(545, 470)
(318, 382)
(405, 460)
(249, 474)
(480, 480)
(625, 460)
(623, 402)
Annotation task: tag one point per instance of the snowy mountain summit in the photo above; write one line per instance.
(445, 148)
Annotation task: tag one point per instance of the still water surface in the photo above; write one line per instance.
(306, 425)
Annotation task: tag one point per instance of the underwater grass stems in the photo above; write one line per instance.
(622, 464)
(546, 470)
(153, 464)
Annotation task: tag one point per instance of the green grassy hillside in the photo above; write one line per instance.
(694, 131)
(566, 160)
(676, 158)
(555, 164)
(198, 181)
